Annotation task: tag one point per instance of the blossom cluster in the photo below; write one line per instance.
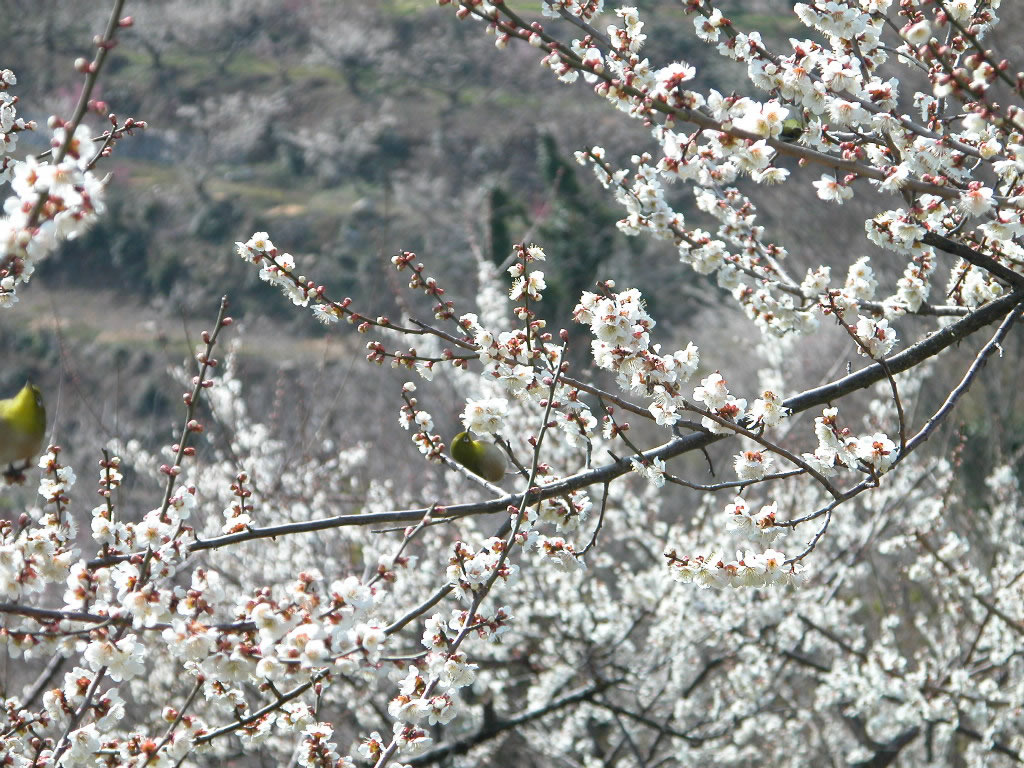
(471, 571)
(621, 328)
(52, 200)
(830, 92)
(838, 446)
(748, 569)
(276, 268)
(210, 599)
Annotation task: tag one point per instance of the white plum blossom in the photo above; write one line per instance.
(529, 286)
(977, 200)
(768, 409)
(748, 569)
(709, 27)
(651, 469)
(752, 465)
(759, 526)
(876, 337)
(485, 417)
(252, 591)
(712, 391)
(877, 451)
(619, 321)
(122, 660)
(917, 34)
(831, 190)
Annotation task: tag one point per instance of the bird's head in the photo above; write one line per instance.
(33, 397)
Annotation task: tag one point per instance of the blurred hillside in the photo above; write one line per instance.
(348, 130)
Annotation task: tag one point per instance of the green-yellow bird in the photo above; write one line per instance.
(481, 457)
(792, 129)
(22, 427)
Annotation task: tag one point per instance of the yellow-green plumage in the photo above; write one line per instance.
(479, 457)
(792, 129)
(22, 426)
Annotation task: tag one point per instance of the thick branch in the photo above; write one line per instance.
(918, 353)
(979, 260)
(494, 726)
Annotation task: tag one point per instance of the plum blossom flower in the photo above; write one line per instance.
(752, 465)
(712, 391)
(876, 336)
(709, 28)
(768, 409)
(977, 200)
(829, 189)
(123, 659)
(877, 451)
(653, 470)
(485, 417)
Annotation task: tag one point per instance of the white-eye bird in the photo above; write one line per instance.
(22, 427)
(792, 129)
(480, 457)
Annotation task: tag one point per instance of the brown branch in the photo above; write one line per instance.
(677, 446)
(979, 260)
(910, 357)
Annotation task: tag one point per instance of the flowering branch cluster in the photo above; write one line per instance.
(56, 196)
(265, 606)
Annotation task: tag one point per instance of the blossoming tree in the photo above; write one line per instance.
(834, 598)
